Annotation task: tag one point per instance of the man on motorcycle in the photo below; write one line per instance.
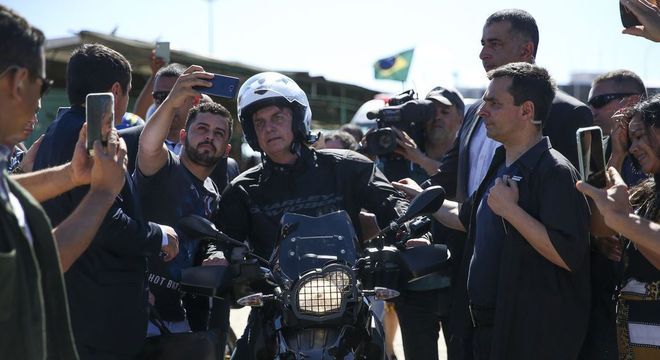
(276, 119)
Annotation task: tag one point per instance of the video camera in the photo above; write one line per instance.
(406, 113)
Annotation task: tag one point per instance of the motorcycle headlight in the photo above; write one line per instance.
(324, 292)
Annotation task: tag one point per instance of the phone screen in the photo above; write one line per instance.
(223, 86)
(100, 117)
(163, 51)
(591, 156)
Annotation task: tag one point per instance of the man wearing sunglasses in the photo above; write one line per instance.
(35, 316)
(610, 92)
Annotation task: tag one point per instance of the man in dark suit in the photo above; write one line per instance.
(508, 36)
(35, 317)
(106, 285)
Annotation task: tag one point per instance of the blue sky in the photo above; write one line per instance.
(341, 39)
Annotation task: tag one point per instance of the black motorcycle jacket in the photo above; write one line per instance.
(318, 183)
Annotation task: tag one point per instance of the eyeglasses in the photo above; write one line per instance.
(159, 96)
(45, 82)
(599, 101)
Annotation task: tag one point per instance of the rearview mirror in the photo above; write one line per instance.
(425, 203)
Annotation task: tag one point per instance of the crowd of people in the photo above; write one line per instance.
(543, 265)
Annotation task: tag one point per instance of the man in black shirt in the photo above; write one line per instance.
(508, 36)
(528, 278)
(173, 186)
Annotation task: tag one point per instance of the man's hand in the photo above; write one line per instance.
(648, 13)
(156, 63)
(217, 258)
(417, 242)
(81, 163)
(109, 165)
(613, 201)
(171, 250)
(407, 147)
(408, 186)
(503, 196)
(183, 88)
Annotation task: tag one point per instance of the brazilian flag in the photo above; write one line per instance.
(394, 67)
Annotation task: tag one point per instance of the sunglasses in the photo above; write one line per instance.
(599, 101)
(159, 96)
(45, 82)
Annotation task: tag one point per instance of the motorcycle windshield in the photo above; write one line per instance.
(312, 242)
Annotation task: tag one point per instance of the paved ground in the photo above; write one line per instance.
(239, 319)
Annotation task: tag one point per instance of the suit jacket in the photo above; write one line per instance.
(106, 285)
(567, 114)
(34, 321)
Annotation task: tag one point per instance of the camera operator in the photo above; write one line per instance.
(439, 133)
(425, 304)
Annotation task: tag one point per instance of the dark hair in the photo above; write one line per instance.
(94, 68)
(649, 111)
(622, 77)
(213, 108)
(645, 196)
(171, 70)
(528, 83)
(21, 43)
(353, 130)
(347, 140)
(522, 24)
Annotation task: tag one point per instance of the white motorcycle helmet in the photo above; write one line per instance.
(271, 88)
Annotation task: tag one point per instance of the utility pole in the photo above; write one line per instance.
(210, 12)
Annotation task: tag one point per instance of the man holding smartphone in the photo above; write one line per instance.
(528, 276)
(106, 285)
(35, 317)
(185, 178)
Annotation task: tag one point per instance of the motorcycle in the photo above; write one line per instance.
(316, 289)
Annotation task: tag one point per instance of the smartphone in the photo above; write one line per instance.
(628, 19)
(591, 155)
(163, 51)
(100, 117)
(223, 86)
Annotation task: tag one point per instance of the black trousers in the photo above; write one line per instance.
(601, 340)
(420, 315)
(482, 340)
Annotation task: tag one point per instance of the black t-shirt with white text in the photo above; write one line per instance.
(168, 195)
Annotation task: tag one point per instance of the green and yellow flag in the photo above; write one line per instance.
(394, 67)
